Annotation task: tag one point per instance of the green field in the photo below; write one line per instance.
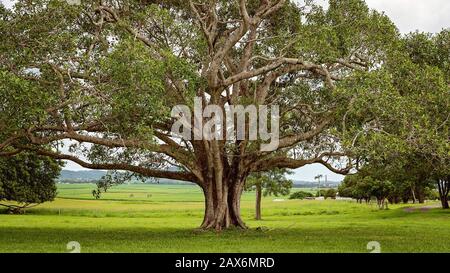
(163, 218)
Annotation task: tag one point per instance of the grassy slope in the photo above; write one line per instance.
(163, 218)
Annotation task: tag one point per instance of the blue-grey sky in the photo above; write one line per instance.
(408, 15)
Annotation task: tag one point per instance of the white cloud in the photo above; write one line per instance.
(7, 3)
(410, 15)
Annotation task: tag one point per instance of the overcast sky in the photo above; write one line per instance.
(411, 15)
(408, 15)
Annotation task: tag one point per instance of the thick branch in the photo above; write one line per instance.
(284, 162)
(183, 176)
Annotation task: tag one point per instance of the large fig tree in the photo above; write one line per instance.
(97, 83)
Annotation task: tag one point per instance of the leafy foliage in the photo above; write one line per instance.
(300, 195)
(28, 179)
(273, 182)
(101, 78)
(399, 125)
(330, 193)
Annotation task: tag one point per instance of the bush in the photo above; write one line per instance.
(300, 195)
(27, 179)
(331, 193)
(321, 193)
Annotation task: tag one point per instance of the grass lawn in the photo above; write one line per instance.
(163, 218)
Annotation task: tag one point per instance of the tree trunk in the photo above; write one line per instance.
(421, 196)
(15, 211)
(413, 194)
(258, 201)
(444, 202)
(391, 200)
(379, 203)
(405, 199)
(420, 190)
(222, 208)
(444, 188)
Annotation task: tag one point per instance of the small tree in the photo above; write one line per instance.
(330, 193)
(27, 179)
(318, 177)
(355, 186)
(273, 182)
(381, 190)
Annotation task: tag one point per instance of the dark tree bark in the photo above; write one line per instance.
(258, 202)
(444, 188)
(420, 189)
(222, 208)
(444, 202)
(12, 209)
(420, 194)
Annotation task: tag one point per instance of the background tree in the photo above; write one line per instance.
(28, 180)
(402, 121)
(104, 82)
(386, 183)
(301, 195)
(356, 187)
(381, 190)
(318, 177)
(268, 183)
(444, 189)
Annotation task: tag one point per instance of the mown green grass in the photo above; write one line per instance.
(164, 218)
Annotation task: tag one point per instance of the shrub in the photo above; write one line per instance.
(300, 195)
(331, 193)
(321, 193)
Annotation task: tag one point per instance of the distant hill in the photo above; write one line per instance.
(90, 176)
(86, 176)
(309, 184)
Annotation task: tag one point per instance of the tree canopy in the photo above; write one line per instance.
(101, 80)
(400, 124)
(273, 182)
